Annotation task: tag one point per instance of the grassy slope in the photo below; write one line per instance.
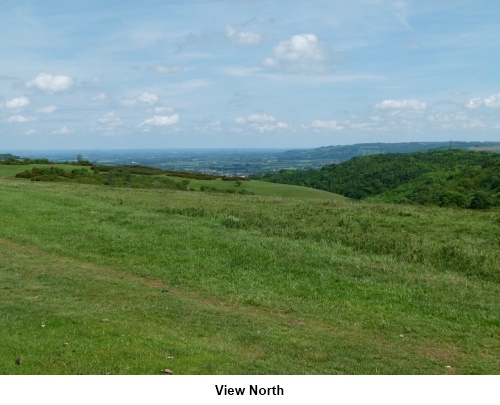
(262, 188)
(223, 284)
(254, 186)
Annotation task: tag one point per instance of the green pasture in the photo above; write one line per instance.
(216, 185)
(261, 188)
(103, 280)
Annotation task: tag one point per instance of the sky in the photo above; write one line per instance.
(107, 74)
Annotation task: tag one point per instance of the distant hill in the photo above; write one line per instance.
(442, 177)
(341, 153)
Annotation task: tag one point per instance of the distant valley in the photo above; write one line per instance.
(244, 162)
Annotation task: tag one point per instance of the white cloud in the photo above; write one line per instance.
(50, 83)
(331, 125)
(270, 127)
(19, 102)
(161, 120)
(260, 118)
(474, 103)
(262, 122)
(255, 118)
(148, 98)
(401, 105)
(110, 119)
(492, 101)
(241, 37)
(47, 110)
(99, 97)
(19, 119)
(144, 98)
(302, 53)
(62, 131)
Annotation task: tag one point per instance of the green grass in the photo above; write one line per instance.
(216, 185)
(261, 188)
(205, 283)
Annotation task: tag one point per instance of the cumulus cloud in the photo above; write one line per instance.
(47, 110)
(255, 118)
(161, 120)
(19, 119)
(330, 125)
(50, 83)
(301, 54)
(241, 37)
(145, 98)
(401, 105)
(492, 101)
(19, 102)
(148, 98)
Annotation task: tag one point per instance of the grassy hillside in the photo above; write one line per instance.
(444, 178)
(107, 280)
(259, 188)
(146, 177)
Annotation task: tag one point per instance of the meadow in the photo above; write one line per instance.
(99, 279)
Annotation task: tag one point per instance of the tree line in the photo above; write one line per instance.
(444, 177)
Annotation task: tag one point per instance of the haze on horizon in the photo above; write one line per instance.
(90, 74)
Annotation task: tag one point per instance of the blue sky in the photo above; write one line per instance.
(85, 74)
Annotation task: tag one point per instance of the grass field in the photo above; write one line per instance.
(262, 188)
(102, 280)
